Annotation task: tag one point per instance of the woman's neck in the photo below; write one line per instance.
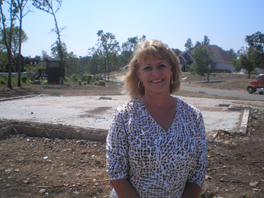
(160, 101)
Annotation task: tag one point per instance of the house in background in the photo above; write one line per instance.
(222, 58)
(185, 60)
(32, 61)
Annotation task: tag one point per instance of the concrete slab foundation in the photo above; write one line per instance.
(95, 112)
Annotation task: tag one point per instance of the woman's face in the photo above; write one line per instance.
(155, 74)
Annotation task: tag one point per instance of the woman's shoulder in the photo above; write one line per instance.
(130, 106)
(185, 107)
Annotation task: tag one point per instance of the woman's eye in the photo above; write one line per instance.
(162, 66)
(147, 68)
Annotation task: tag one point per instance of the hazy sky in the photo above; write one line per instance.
(225, 22)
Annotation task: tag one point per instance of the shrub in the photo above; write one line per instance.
(74, 78)
(2, 82)
(95, 83)
(86, 78)
(24, 79)
(84, 83)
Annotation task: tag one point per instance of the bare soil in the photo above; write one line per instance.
(52, 167)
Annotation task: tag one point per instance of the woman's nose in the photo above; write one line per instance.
(155, 71)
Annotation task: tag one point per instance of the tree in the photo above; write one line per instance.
(8, 43)
(256, 43)
(109, 46)
(197, 44)
(188, 45)
(247, 60)
(48, 6)
(202, 64)
(21, 4)
(55, 49)
(234, 59)
(15, 38)
(96, 63)
(206, 40)
(129, 47)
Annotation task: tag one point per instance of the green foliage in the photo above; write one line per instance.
(84, 83)
(2, 82)
(15, 38)
(95, 83)
(247, 60)
(108, 47)
(29, 68)
(86, 78)
(188, 45)
(206, 40)
(256, 43)
(74, 78)
(203, 58)
(24, 79)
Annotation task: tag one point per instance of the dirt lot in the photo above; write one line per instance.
(44, 167)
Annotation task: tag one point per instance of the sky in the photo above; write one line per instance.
(225, 22)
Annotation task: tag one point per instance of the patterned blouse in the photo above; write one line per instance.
(157, 162)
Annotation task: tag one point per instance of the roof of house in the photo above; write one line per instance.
(54, 59)
(219, 54)
(186, 56)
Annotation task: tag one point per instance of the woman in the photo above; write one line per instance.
(156, 146)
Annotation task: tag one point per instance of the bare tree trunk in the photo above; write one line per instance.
(208, 75)
(8, 45)
(19, 50)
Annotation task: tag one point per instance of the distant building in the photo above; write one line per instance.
(54, 70)
(222, 58)
(185, 60)
(32, 61)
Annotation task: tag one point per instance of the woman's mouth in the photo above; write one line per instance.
(156, 81)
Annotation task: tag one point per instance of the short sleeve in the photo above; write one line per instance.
(199, 170)
(117, 148)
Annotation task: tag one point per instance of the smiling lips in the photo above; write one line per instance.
(156, 81)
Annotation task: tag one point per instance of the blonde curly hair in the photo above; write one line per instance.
(152, 48)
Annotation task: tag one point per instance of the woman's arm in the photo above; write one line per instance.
(192, 190)
(124, 188)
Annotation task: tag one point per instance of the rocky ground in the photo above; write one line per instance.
(52, 167)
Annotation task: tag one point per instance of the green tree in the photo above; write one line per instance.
(206, 40)
(256, 43)
(15, 38)
(8, 43)
(108, 45)
(96, 63)
(128, 48)
(234, 59)
(188, 45)
(202, 64)
(73, 64)
(197, 44)
(247, 60)
(55, 49)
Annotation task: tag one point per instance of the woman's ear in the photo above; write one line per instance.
(139, 76)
